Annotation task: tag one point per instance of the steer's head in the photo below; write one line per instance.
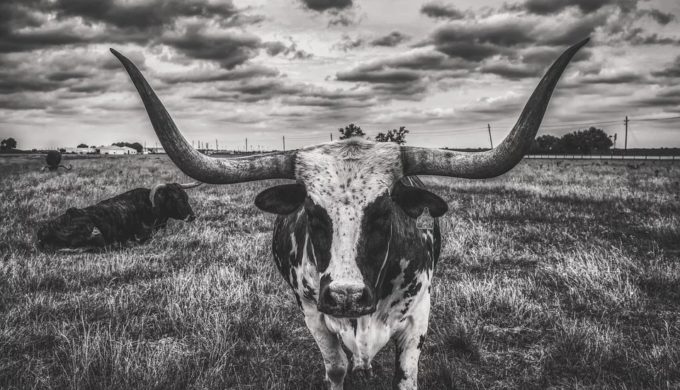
(172, 201)
(350, 190)
(350, 193)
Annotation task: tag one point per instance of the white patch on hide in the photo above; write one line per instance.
(343, 178)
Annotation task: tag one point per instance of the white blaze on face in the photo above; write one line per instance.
(344, 177)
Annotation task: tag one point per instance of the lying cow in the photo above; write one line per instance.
(132, 216)
(53, 161)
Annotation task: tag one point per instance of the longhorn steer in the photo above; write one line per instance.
(346, 239)
(53, 161)
(133, 215)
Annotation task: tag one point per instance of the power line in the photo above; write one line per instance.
(567, 124)
(655, 119)
(555, 126)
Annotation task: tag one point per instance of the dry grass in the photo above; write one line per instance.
(553, 276)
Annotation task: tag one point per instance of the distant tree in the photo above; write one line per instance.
(83, 146)
(593, 140)
(394, 135)
(8, 144)
(136, 146)
(351, 131)
(545, 144)
(597, 140)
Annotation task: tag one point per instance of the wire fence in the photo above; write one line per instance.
(639, 131)
(600, 157)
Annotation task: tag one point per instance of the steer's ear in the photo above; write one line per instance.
(282, 199)
(413, 201)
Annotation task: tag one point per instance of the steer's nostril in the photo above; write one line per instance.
(327, 297)
(366, 298)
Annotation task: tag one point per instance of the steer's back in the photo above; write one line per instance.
(122, 217)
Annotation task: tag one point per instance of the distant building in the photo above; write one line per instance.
(78, 150)
(117, 150)
(157, 150)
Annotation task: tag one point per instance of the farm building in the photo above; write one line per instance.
(79, 150)
(116, 150)
(154, 150)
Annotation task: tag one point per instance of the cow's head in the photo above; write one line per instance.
(350, 190)
(73, 229)
(171, 201)
(350, 193)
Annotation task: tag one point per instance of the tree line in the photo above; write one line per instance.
(397, 136)
(590, 141)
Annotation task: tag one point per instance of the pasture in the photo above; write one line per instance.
(555, 275)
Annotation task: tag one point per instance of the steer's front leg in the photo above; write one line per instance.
(408, 346)
(406, 364)
(334, 357)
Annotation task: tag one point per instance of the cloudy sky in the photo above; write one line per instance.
(263, 69)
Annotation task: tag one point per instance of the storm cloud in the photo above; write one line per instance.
(671, 70)
(392, 39)
(225, 48)
(546, 7)
(325, 5)
(268, 65)
(441, 11)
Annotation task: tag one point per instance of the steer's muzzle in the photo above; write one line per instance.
(340, 299)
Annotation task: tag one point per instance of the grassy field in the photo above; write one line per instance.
(556, 275)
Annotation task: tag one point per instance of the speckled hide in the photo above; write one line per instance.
(350, 229)
(131, 216)
(347, 238)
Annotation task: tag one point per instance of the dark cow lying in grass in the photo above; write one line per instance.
(53, 161)
(132, 216)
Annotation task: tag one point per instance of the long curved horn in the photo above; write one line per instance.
(195, 164)
(187, 186)
(67, 168)
(152, 193)
(497, 161)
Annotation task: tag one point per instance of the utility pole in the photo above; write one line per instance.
(284, 142)
(246, 144)
(488, 125)
(217, 145)
(331, 137)
(625, 141)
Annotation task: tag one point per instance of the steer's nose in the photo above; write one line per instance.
(346, 299)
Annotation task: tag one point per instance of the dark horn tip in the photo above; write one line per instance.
(582, 43)
(116, 53)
